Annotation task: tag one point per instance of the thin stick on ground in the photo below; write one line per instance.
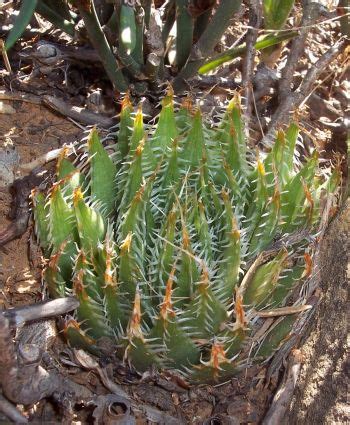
(79, 114)
(23, 97)
(11, 412)
(5, 57)
(297, 48)
(20, 315)
(47, 157)
(285, 392)
(248, 61)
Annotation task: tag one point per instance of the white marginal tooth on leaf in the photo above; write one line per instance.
(184, 243)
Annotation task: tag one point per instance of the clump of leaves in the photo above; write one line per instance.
(136, 41)
(176, 241)
(133, 37)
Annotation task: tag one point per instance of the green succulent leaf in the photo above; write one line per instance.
(103, 173)
(125, 129)
(26, 13)
(173, 245)
(276, 336)
(77, 338)
(264, 280)
(205, 313)
(90, 223)
(184, 32)
(180, 350)
(62, 222)
(61, 20)
(127, 28)
(91, 309)
(56, 284)
(68, 174)
(262, 43)
(41, 212)
(276, 12)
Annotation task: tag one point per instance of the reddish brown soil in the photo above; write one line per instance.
(33, 131)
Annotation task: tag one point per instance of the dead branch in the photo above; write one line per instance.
(264, 81)
(47, 157)
(293, 101)
(321, 108)
(248, 60)
(208, 81)
(79, 114)
(49, 54)
(340, 128)
(5, 6)
(76, 113)
(315, 71)
(5, 57)
(24, 97)
(11, 412)
(283, 311)
(7, 351)
(23, 379)
(20, 315)
(285, 392)
(310, 15)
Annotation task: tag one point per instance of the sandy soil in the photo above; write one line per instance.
(322, 393)
(31, 131)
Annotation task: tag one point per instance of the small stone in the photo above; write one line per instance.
(6, 108)
(202, 411)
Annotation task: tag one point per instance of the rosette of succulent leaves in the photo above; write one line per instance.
(171, 239)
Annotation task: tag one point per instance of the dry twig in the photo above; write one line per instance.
(47, 157)
(20, 315)
(23, 379)
(297, 48)
(11, 412)
(285, 392)
(5, 57)
(24, 97)
(208, 81)
(248, 60)
(76, 113)
(283, 311)
(293, 101)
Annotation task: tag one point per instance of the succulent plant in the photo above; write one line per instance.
(176, 238)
